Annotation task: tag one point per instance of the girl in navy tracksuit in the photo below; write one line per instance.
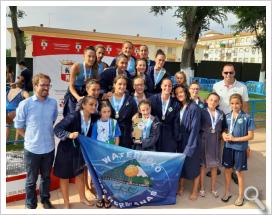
(212, 125)
(186, 133)
(194, 89)
(100, 52)
(156, 74)
(107, 77)
(165, 107)
(80, 73)
(147, 125)
(123, 109)
(240, 131)
(127, 49)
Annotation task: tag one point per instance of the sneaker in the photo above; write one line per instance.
(48, 205)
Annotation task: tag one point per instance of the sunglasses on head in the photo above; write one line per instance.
(230, 73)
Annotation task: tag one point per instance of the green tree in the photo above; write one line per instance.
(18, 33)
(192, 20)
(252, 19)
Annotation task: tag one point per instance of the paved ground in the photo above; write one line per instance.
(256, 176)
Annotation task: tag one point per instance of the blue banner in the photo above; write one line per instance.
(131, 178)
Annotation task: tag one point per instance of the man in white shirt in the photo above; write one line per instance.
(229, 86)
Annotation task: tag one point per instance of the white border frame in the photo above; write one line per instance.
(5, 4)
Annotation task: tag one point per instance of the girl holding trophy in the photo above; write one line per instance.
(146, 130)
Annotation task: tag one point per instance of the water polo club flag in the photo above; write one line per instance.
(131, 178)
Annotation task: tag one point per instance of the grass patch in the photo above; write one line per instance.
(17, 147)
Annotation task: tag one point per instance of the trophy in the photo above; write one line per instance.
(138, 126)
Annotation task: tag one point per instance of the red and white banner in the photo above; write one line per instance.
(54, 56)
(16, 186)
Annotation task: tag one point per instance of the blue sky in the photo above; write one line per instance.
(129, 20)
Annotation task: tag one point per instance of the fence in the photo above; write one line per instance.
(256, 110)
(254, 87)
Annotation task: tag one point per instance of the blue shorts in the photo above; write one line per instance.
(234, 159)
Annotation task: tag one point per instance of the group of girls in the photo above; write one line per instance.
(135, 105)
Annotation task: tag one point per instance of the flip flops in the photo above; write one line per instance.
(100, 203)
(226, 198)
(215, 194)
(239, 202)
(202, 193)
(107, 203)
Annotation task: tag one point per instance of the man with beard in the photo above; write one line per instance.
(34, 120)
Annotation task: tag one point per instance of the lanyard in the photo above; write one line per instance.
(131, 66)
(136, 99)
(147, 125)
(100, 68)
(117, 105)
(165, 106)
(232, 123)
(120, 73)
(181, 113)
(213, 119)
(86, 76)
(159, 76)
(85, 126)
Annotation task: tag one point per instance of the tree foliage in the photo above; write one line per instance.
(252, 19)
(15, 14)
(192, 20)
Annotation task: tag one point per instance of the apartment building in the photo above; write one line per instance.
(227, 47)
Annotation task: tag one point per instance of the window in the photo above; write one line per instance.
(241, 50)
(239, 59)
(246, 60)
(253, 51)
(171, 50)
(237, 41)
(234, 59)
(252, 60)
(235, 52)
(247, 50)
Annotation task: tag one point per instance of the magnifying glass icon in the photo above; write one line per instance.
(251, 193)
